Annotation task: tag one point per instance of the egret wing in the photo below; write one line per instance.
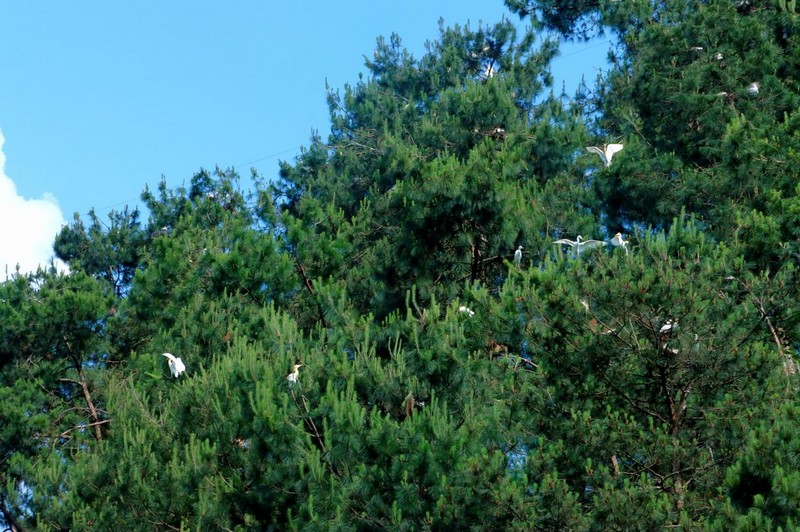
(601, 153)
(590, 244)
(595, 149)
(667, 327)
(565, 241)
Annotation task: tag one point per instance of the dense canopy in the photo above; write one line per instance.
(360, 347)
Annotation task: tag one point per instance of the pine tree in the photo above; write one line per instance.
(107, 252)
(761, 487)
(657, 365)
(435, 383)
(53, 352)
(436, 169)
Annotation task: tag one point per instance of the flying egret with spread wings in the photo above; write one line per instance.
(176, 365)
(579, 245)
(607, 153)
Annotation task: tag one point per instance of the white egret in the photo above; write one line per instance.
(294, 376)
(667, 327)
(718, 56)
(518, 257)
(176, 365)
(497, 133)
(579, 245)
(618, 242)
(753, 88)
(466, 310)
(607, 153)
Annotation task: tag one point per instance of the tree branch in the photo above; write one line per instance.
(89, 404)
(310, 288)
(85, 425)
(789, 366)
(9, 519)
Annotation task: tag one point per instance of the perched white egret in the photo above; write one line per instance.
(618, 242)
(579, 245)
(718, 56)
(667, 327)
(294, 376)
(518, 257)
(497, 133)
(466, 310)
(176, 365)
(753, 88)
(607, 153)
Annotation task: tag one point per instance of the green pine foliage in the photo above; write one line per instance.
(362, 352)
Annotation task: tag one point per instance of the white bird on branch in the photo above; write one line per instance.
(607, 153)
(618, 242)
(518, 257)
(579, 245)
(667, 327)
(294, 376)
(176, 365)
(466, 310)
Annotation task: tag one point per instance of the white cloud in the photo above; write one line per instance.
(27, 226)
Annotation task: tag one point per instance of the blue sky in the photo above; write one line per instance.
(98, 99)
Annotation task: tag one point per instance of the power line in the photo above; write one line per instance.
(576, 52)
(276, 154)
(268, 157)
(294, 148)
(125, 202)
